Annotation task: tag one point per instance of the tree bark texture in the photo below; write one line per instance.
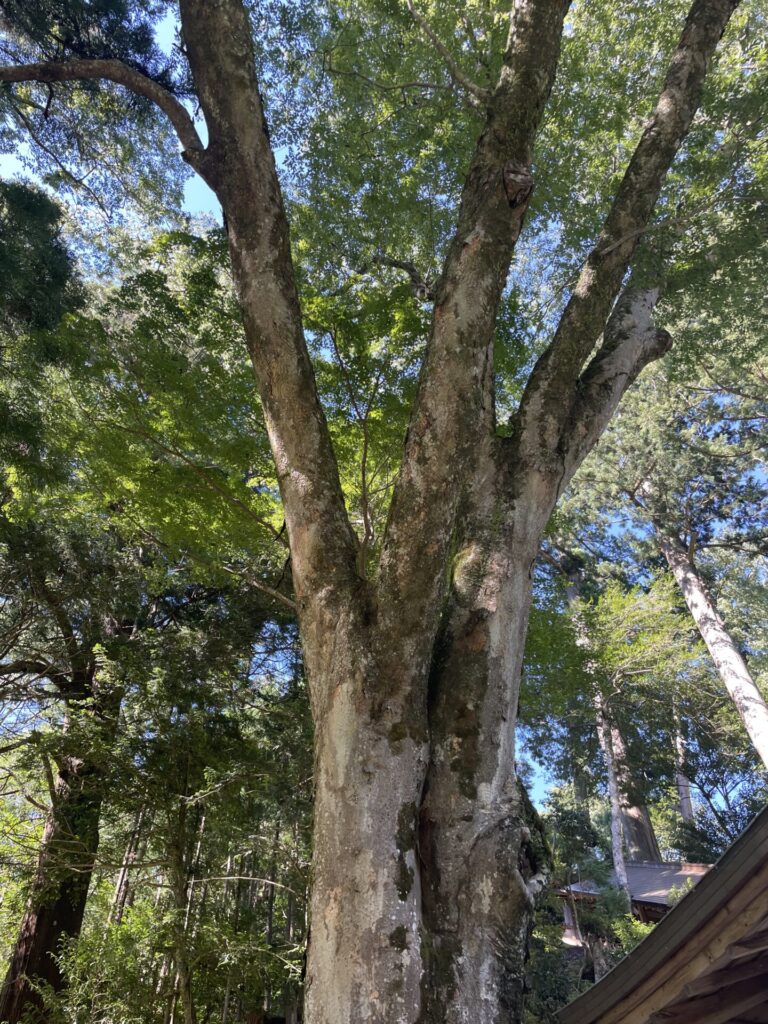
(426, 854)
(56, 903)
(614, 799)
(748, 700)
(682, 782)
(183, 858)
(636, 827)
(639, 836)
(122, 897)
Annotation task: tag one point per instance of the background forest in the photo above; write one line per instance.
(155, 731)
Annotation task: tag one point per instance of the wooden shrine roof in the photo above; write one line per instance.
(706, 962)
(649, 881)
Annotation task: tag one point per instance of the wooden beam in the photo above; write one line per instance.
(718, 1008)
(747, 909)
(726, 976)
(750, 944)
(757, 1015)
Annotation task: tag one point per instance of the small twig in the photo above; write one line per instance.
(72, 178)
(265, 589)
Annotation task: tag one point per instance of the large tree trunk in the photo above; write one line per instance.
(426, 857)
(420, 907)
(639, 836)
(481, 847)
(748, 700)
(56, 903)
(640, 843)
(368, 649)
(364, 962)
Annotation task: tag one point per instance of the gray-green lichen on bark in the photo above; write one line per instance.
(434, 928)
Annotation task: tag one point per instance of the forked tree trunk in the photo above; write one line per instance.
(749, 702)
(426, 854)
(56, 904)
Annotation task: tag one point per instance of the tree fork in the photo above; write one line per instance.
(368, 647)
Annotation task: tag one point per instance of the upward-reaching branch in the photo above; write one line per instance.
(549, 396)
(631, 341)
(454, 404)
(240, 167)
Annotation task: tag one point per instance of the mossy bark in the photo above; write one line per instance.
(408, 929)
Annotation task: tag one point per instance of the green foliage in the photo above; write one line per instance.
(138, 487)
(105, 147)
(630, 931)
(38, 283)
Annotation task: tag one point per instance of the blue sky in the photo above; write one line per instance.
(199, 200)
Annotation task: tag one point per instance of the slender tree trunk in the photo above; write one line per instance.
(122, 888)
(598, 957)
(684, 798)
(579, 777)
(183, 894)
(227, 991)
(682, 782)
(614, 796)
(748, 700)
(171, 992)
(271, 876)
(639, 835)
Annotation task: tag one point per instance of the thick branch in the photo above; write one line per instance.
(453, 410)
(240, 167)
(28, 667)
(121, 74)
(631, 341)
(550, 393)
(422, 287)
(478, 96)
